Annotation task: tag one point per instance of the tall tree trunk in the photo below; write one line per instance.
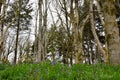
(40, 30)
(77, 33)
(68, 34)
(44, 30)
(104, 52)
(112, 32)
(2, 10)
(42, 42)
(36, 36)
(0, 30)
(17, 33)
(102, 22)
(77, 40)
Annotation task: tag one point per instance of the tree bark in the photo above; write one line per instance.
(40, 46)
(105, 55)
(112, 32)
(2, 15)
(0, 30)
(17, 33)
(44, 30)
(77, 41)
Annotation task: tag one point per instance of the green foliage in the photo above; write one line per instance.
(47, 71)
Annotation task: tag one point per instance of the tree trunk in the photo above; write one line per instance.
(0, 31)
(42, 31)
(35, 49)
(17, 33)
(2, 3)
(40, 46)
(104, 52)
(77, 40)
(112, 32)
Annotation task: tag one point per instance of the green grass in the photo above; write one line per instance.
(46, 71)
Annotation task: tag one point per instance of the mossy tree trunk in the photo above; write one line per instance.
(112, 32)
(104, 52)
(78, 49)
(77, 38)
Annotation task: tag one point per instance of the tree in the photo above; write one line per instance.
(42, 30)
(1, 43)
(21, 10)
(112, 31)
(3, 6)
(94, 33)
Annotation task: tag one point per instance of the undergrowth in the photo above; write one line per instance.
(47, 71)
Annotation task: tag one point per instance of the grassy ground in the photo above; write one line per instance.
(46, 71)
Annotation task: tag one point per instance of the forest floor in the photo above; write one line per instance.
(47, 71)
